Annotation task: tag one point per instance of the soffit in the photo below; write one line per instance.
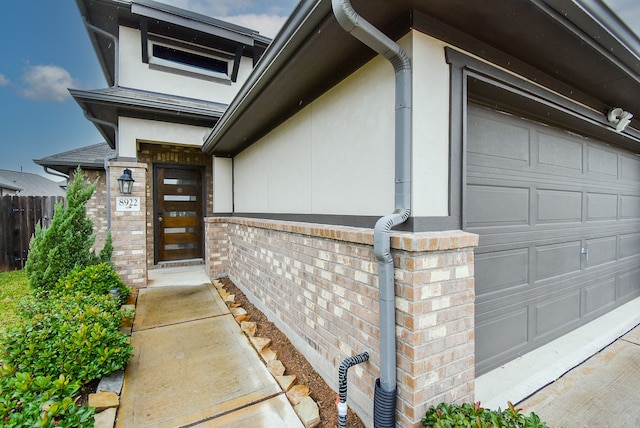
(533, 38)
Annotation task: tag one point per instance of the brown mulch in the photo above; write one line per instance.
(294, 362)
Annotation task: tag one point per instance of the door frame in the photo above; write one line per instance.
(203, 196)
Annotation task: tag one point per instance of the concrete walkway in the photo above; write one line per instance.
(601, 392)
(192, 366)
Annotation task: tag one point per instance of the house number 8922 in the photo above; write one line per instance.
(127, 203)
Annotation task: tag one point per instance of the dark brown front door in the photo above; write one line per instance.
(178, 207)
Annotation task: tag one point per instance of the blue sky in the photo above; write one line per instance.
(45, 50)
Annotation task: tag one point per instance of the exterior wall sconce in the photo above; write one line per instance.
(620, 118)
(125, 182)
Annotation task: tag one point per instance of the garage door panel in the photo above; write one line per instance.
(602, 206)
(628, 284)
(629, 245)
(629, 207)
(601, 250)
(559, 206)
(599, 296)
(495, 138)
(498, 205)
(559, 152)
(601, 162)
(535, 214)
(500, 335)
(558, 259)
(629, 168)
(556, 313)
(500, 270)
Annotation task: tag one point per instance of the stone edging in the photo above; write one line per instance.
(297, 394)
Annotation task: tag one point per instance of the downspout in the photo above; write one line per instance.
(116, 48)
(116, 61)
(106, 162)
(384, 405)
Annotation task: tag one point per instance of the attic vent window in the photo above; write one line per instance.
(189, 60)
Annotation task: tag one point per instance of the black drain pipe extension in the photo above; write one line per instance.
(384, 400)
(342, 385)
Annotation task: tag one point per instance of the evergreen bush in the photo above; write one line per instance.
(67, 242)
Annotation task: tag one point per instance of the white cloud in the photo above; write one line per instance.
(266, 25)
(46, 82)
(3, 80)
(264, 16)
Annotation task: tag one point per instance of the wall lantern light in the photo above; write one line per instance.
(620, 118)
(125, 182)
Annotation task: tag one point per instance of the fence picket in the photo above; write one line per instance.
(19, 216)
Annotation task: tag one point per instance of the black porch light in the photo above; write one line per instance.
(125, 182)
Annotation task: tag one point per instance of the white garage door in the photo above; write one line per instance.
(559, 222)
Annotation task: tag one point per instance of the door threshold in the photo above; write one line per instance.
(178, 263)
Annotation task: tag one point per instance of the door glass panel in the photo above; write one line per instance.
(179, 246)
(181, 198)
(180, 213)
(180, 230)
(179, 181)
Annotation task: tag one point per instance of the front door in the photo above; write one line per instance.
(178, 207)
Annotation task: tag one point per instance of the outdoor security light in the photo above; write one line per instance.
(126, 182)
(620, 118)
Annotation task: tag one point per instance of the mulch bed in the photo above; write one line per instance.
(294, 362)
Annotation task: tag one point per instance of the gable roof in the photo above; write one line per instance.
(576, 48)
(28, 184)
(88, 158)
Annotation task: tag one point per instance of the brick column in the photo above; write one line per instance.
(435, 321)
(128, 228)
(216, 252)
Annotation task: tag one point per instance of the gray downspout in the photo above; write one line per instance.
(106, 162)
(115, 45)
(386, 385)
(116, 61)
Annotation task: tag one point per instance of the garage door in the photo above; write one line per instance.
(558, 218)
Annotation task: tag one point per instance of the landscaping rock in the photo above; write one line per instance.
(105, 419)
(112, 383)
(308, 412)
(104, 400)
(260, 342)
(230, 298)
(241, 318)
(236, 312)
(297, 393)
(268, 354)
(276, 367)
(286, 382)
(249, 328)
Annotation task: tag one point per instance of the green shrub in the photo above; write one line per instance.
(473, 416)
(66, 243)
(74, 335)
(40, 401)
(95, 279)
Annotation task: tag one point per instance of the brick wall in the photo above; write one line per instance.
(319, 284)
(128, 228)
(151, 154)
(96, 206)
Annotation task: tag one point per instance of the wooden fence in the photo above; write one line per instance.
(19, 216)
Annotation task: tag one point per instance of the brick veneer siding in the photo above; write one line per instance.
(128, 229)
(319, 284)
(96, 207)
(151, 154)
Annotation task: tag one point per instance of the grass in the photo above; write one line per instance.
(13, 287)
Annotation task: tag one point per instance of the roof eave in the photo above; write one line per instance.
(588, 19)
